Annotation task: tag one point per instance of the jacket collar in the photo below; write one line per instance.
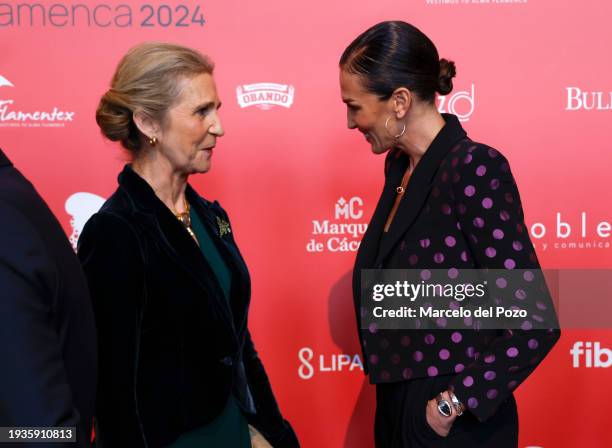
(4, 160)
(146, 199)
(416, 192)
(159, 222)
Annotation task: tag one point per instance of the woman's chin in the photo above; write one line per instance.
(377, 149)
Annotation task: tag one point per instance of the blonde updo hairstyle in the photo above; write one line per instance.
(147, 80)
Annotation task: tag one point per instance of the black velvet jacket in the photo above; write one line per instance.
(171, 350)
(461, 210)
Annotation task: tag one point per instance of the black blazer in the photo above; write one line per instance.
(47, 333)
(171, 348)
(457, 196)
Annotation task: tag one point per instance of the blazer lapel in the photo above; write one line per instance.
(240, 290)
(420, 183)
(163, 226)
(368, 249)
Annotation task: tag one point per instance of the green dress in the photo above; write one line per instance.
(230, 428)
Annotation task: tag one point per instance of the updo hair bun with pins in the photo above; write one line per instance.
(147, 80)
(447, 73)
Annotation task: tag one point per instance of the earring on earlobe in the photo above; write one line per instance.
(152, 141)
(398, 135)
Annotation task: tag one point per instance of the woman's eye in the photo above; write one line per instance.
(203, 111)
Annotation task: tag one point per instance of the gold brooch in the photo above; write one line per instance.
(224, 227)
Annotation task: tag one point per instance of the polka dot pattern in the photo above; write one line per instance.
(456, 337)
(471, 217)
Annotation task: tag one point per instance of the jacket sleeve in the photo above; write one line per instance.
(268, 420)
(491, 218)
(34, 388)
(110, 254)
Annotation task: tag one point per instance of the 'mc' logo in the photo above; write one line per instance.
(351, 209)
(265, 95)
(459, 103)
(81, 206)
(593, 354)
(342, 233)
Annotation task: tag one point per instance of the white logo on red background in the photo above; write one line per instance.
(341, 234)
(575, 232)
(590, 355)
(578, 99)
(5, 82)
(459, 103)
(13, 117)
(335, 362)
(81, 206)
(265, 95)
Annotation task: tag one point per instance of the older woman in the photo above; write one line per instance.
(448, 203)
(170, 289)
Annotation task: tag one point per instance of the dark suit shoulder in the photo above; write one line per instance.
(14, 186)
(22, 247)
(16, 225)
(20, 200)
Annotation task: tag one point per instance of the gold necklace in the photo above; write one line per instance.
(185, 219)
(402, 187)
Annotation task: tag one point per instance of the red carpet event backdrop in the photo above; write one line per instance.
(533, 81)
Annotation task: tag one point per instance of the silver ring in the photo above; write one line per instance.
(444, 407)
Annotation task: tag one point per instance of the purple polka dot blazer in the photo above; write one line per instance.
(461, 210)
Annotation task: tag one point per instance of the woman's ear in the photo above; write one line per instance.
(146, 125)
(401, 100)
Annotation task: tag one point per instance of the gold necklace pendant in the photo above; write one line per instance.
(402, 187)
(193, 235)
(185, 219)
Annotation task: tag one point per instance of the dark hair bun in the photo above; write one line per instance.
(445, 80)
(115, 120)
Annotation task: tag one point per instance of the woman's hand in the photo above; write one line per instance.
(439, 423)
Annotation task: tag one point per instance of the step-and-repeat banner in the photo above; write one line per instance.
(533, 81)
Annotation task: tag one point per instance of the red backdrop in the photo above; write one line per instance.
(533, 81)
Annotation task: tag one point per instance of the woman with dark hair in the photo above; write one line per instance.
(170, 289)
(448, 203)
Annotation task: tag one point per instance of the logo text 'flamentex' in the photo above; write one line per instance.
(10, 116)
